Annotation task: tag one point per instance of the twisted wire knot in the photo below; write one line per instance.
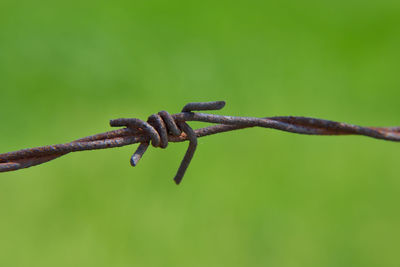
(160, 126)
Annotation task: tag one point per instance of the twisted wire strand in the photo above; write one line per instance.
(162, 128)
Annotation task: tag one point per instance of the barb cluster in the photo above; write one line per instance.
(162, 128)
(159, 126)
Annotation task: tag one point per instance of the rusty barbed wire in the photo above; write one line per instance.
(162, 128)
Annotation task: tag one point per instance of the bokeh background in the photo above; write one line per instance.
(254, 197)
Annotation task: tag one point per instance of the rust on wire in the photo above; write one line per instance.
(162, 128)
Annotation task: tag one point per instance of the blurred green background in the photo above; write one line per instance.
(67, 67)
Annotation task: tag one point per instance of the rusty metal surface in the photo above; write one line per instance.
(162, 128)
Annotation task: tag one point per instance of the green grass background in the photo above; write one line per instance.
(254, 197)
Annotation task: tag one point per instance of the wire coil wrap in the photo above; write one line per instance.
(159, 126)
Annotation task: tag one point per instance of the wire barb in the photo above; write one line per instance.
(162, 128)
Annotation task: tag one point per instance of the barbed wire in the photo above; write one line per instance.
(162, 128)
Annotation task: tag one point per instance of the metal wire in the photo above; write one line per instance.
(162, 128)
